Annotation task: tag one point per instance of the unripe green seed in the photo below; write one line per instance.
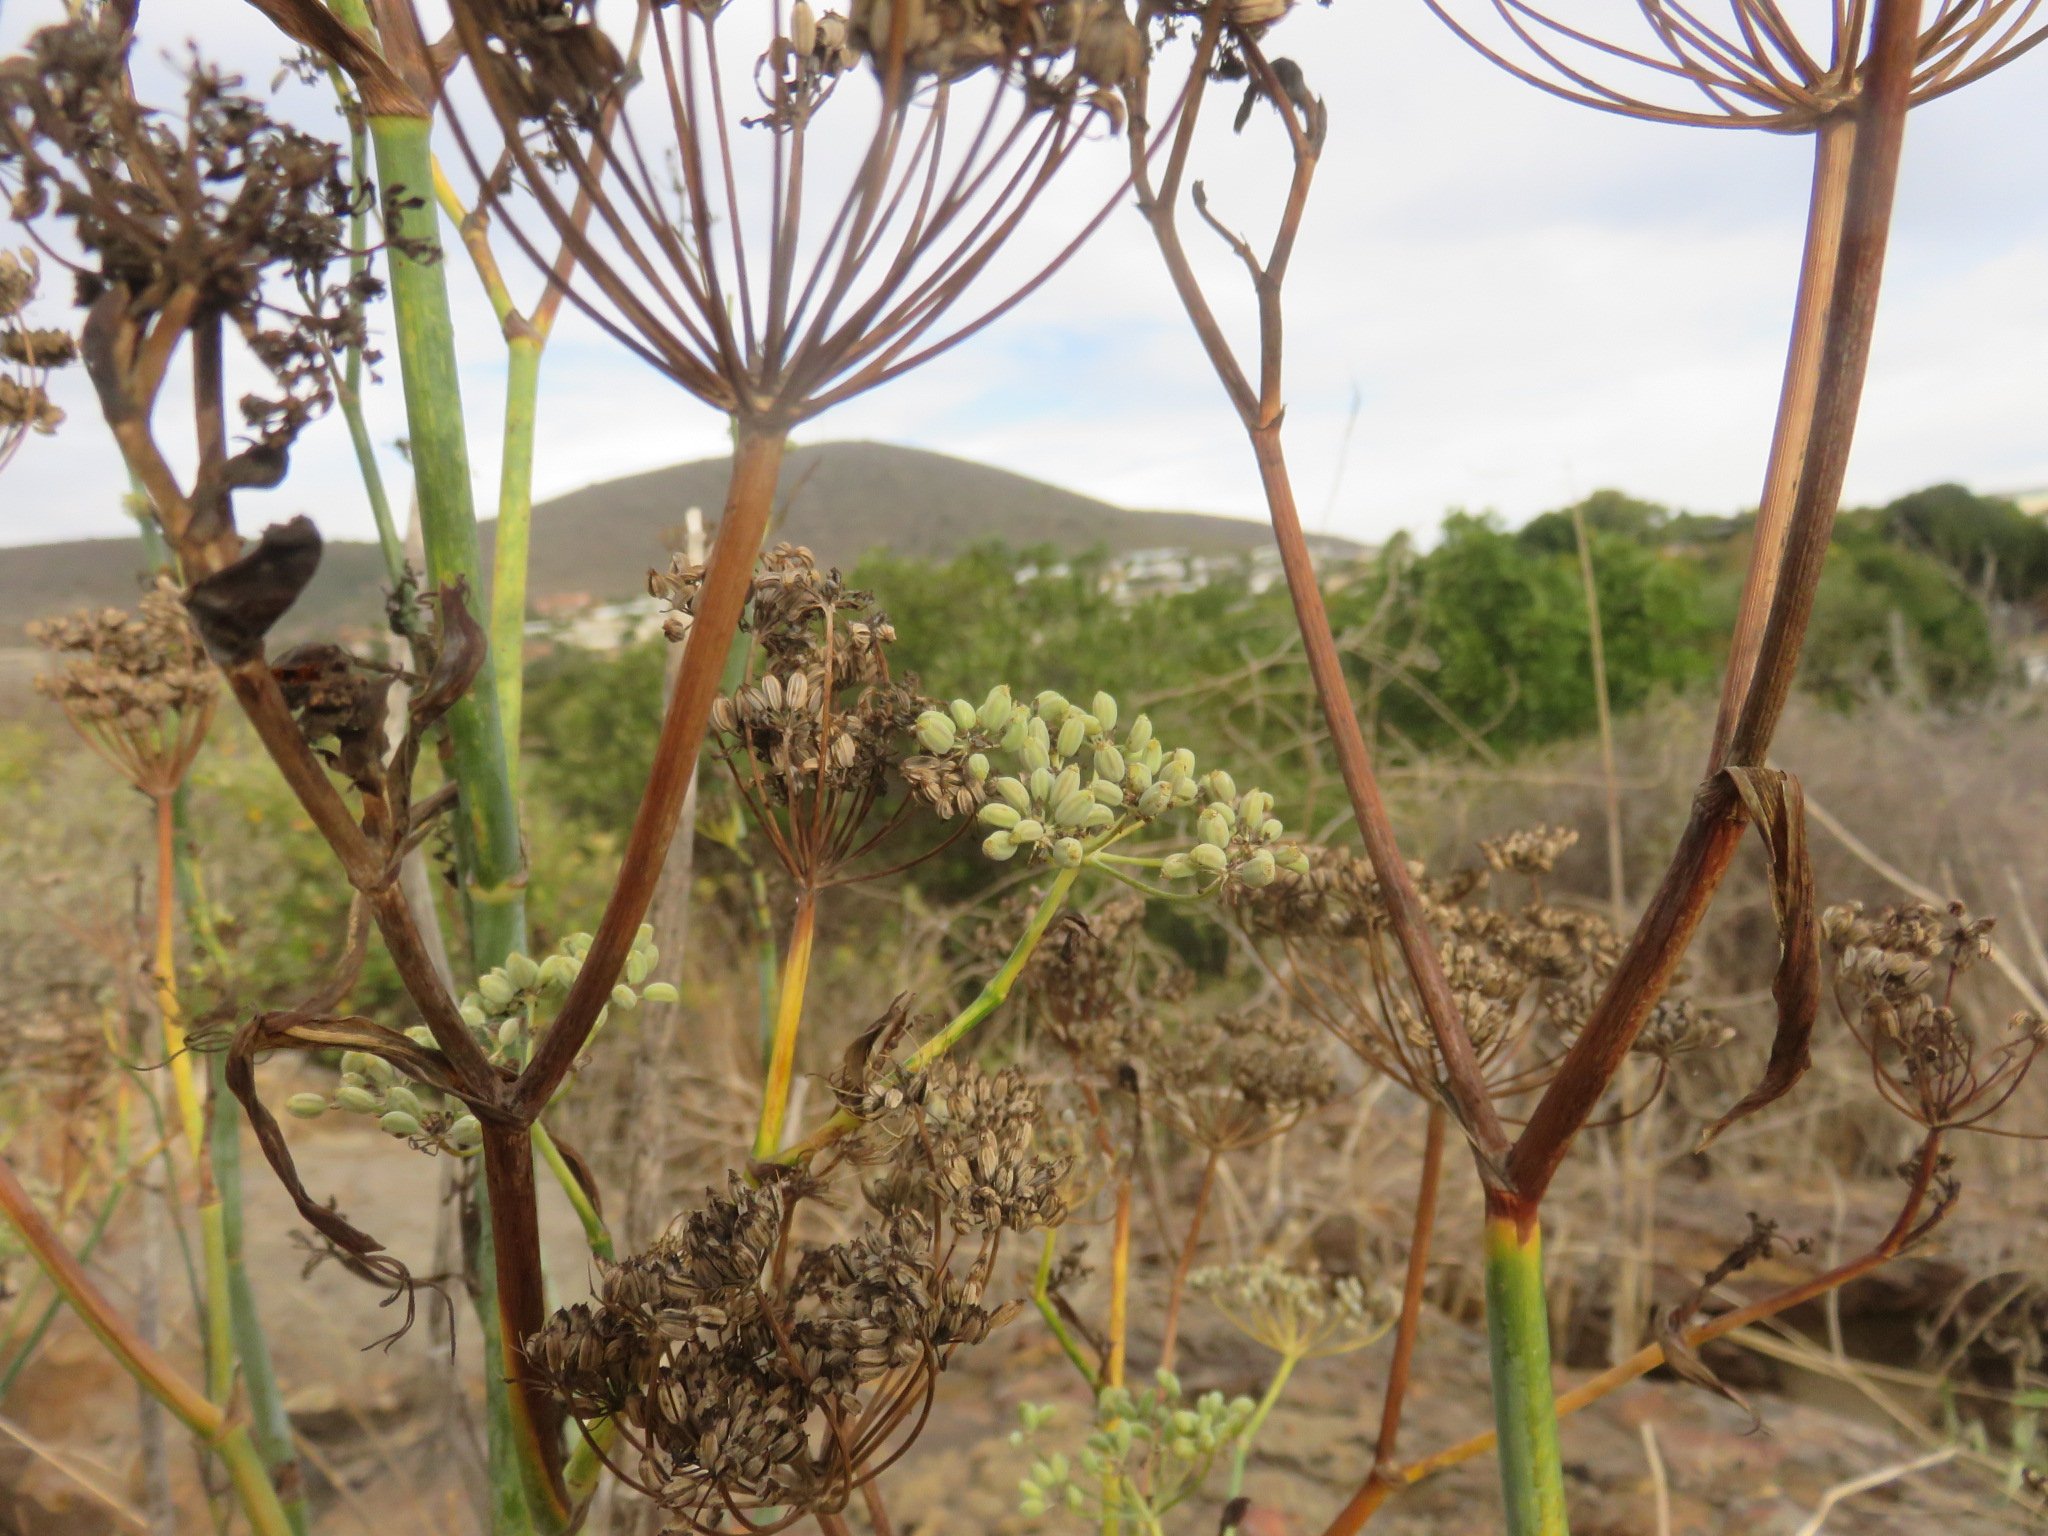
(1013, 793)
(399, 1123)
(1035, 757)
(1213, 826)
(1140, 736)
(557, 972)
(1156, 800)
(1293, 860)
(1028, 831)
(465, 1132)
(1051, 705)
(1176, 866)
(402, 1098)
(509, 1033)
(977, 767)
(1041, 782)
(999, 845)
(963, 715)
(1257, 870)
(1270, 828)
(357, 1062)
(1109, 762)
(1208, 857)
(1104, 708)
(357, 1101)
(1108, 791)
(1072, 733)
(1066, 852)
(521, 970)
(1098, 816)
(472, 1011)
(1073, 811)
(1000, 815)
(638, 964)
(307, 1106)
(935, 732)
(624, 998)
(1138, 778)
(497, 988)
(661, 992)
(996, 709)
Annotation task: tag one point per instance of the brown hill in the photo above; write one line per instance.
(842, 499)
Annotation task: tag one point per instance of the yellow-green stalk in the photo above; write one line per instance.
(206, 1420)
(789, 1013)
(1524, 1401)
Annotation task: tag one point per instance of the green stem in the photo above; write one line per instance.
(595, 1233)
(515, 525)
(1524, 1400)
(1041, 1297)
(997, 989)
(1243, 1454)
(586, 1466)
(494, 875)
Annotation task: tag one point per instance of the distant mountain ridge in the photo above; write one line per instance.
(841, 499)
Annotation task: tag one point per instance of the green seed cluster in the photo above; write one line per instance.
(511, 1004)
(1150, 1450)
(371, 1086)
(1074, 782)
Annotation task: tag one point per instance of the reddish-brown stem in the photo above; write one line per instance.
(522, 1300)
(1169, 1337)
(1708, 844)
(757, 461)
(1410, 1327)
(1834, 143)
(1464, 1081)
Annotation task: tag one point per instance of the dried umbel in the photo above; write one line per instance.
(27, 354)
(964, 1142)
(1734, 63)
(1299, 1316)
(818, 736)
(1094, 977)
(1234, 1081)
(757, 1378)
(1524, 975)
(1896, 977)
(137, 686)
(721, 256)
(215, 217)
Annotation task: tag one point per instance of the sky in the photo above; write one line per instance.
(1500, 302)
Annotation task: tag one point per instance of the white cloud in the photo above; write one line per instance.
(1529, 299)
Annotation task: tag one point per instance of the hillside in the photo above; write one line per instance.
(842, 499)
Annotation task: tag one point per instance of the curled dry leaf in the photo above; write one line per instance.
(1777, 808)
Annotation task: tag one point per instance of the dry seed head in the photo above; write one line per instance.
(138, 686)
(1532, 851)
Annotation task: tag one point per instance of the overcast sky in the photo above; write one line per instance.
(1524, 301)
